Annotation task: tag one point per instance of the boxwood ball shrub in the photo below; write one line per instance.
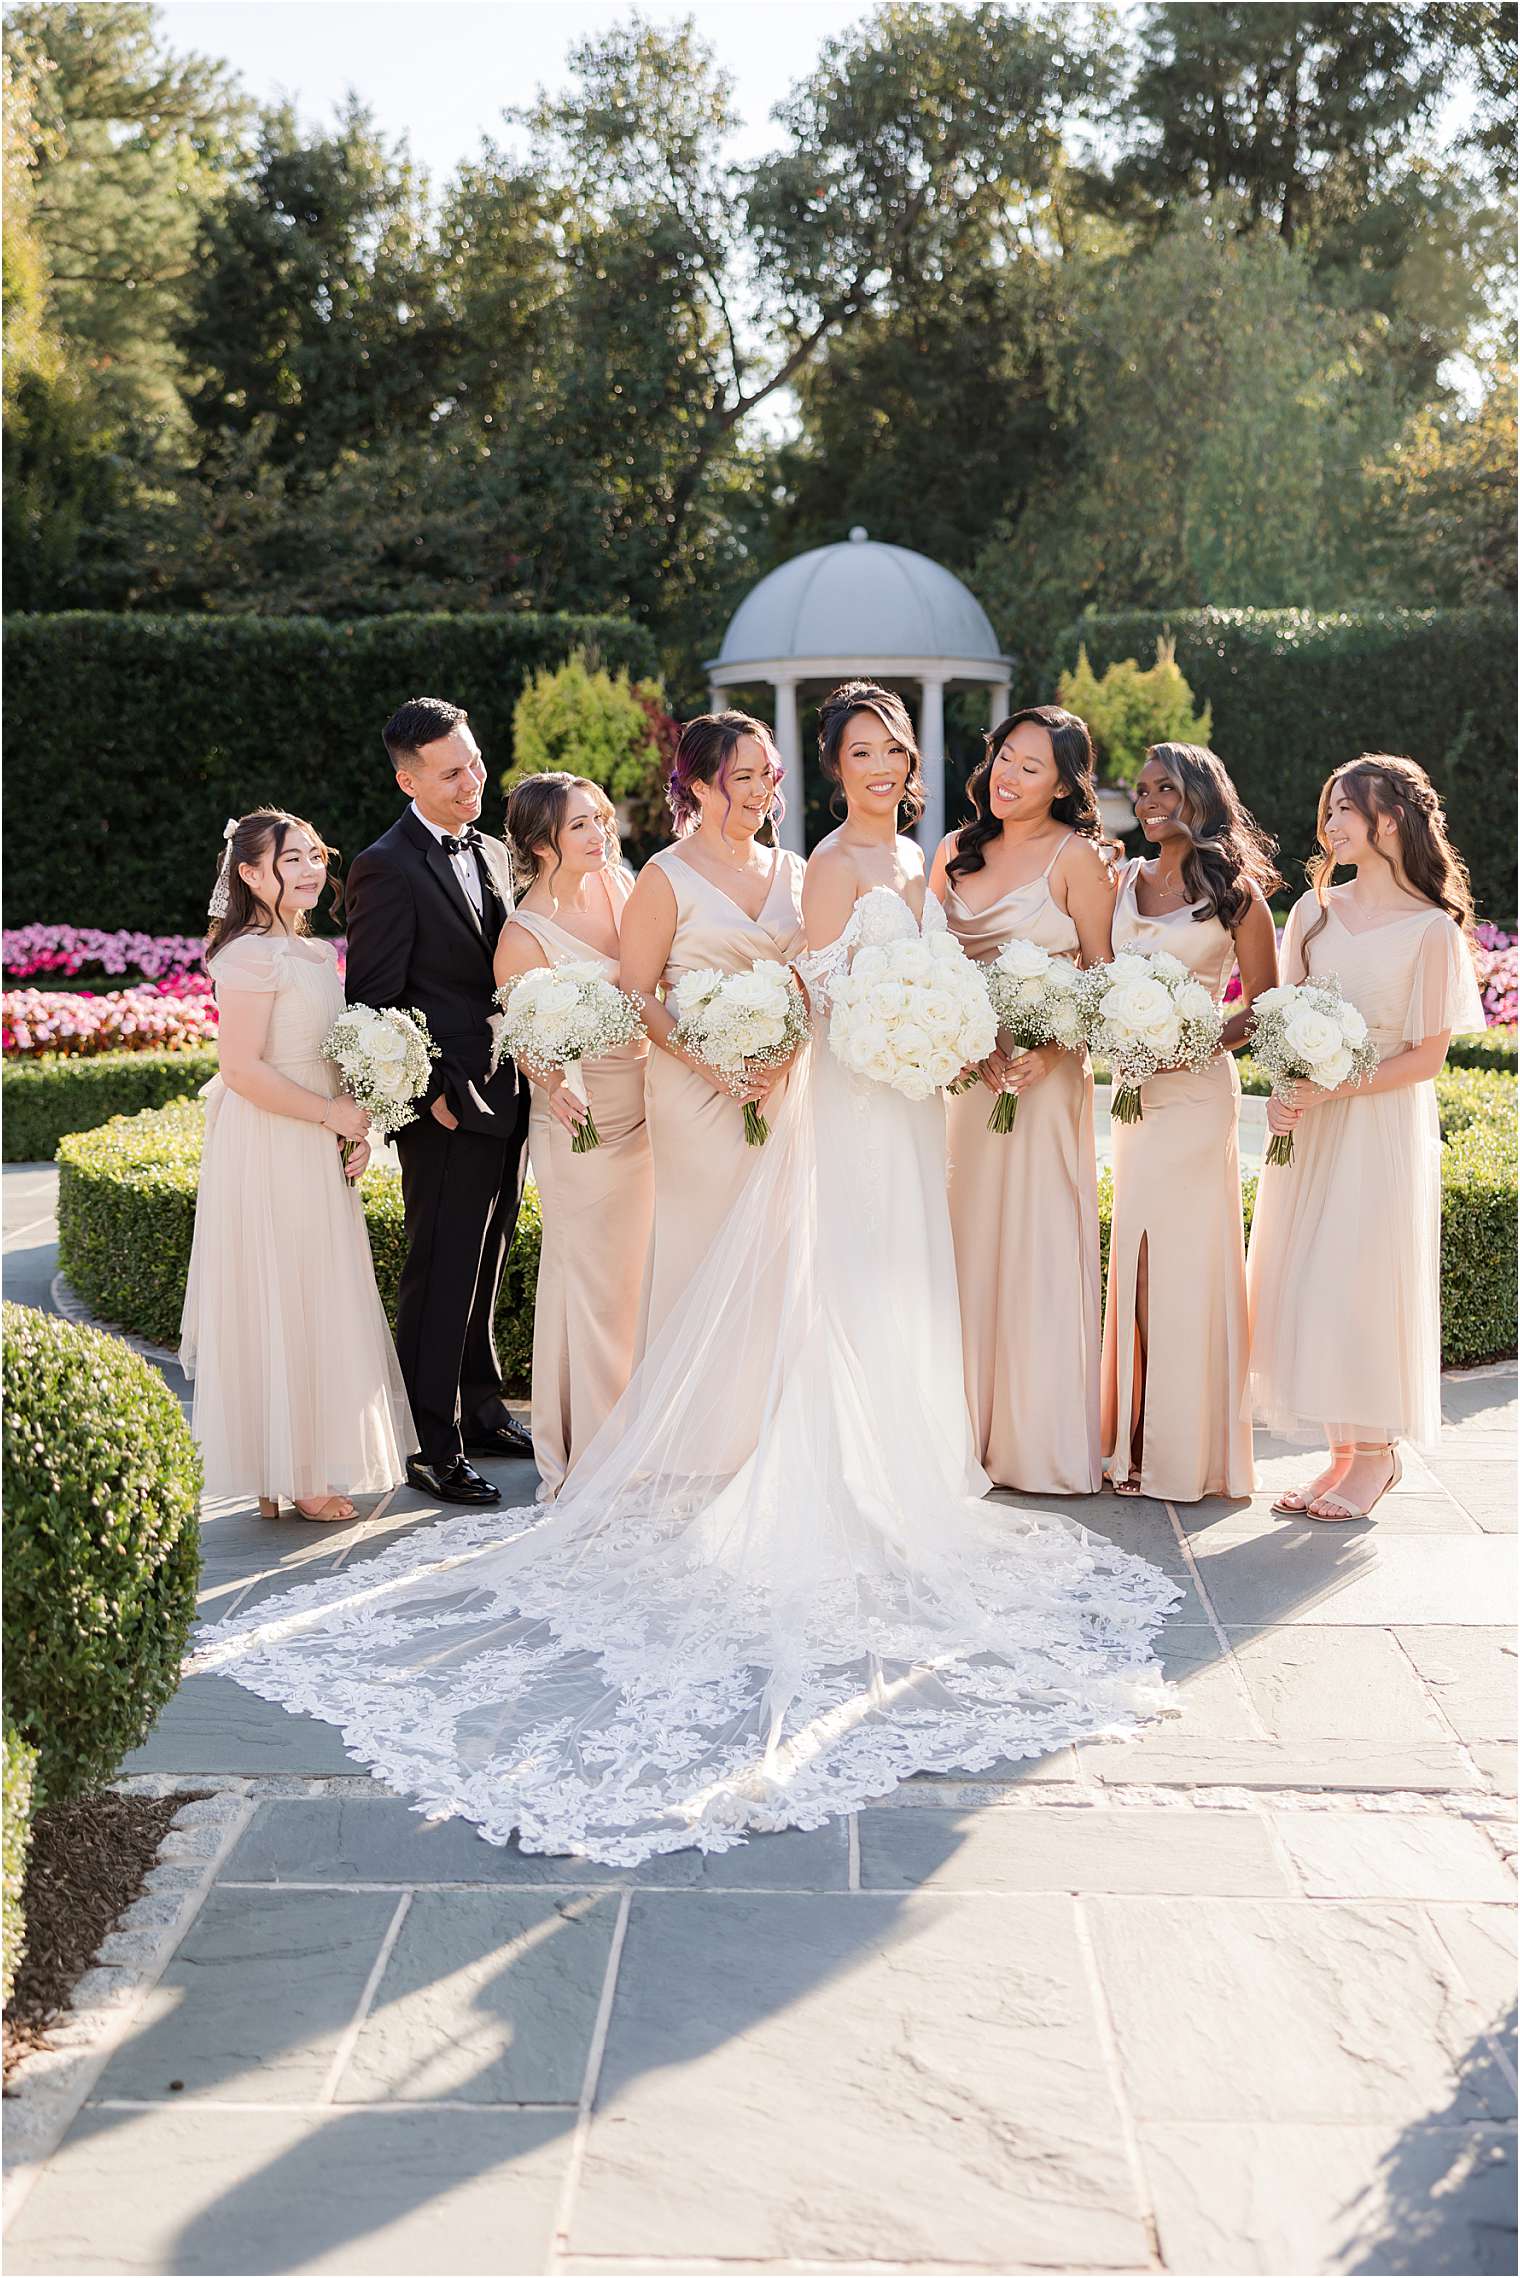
(20, 1761)
(126, 1217)
(102, 1551)
(113, 693)
(47, 1097)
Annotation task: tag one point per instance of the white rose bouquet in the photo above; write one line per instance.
(1147, 1012)
(1038, 1000)
(736, 1023)
(913, 1013)
(1308, 1033)
(384, 1058)
(556, 1017)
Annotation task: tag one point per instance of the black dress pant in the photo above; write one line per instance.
(461, 1190)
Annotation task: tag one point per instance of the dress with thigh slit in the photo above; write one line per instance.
(1177, 1201)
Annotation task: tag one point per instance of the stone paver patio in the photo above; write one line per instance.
(1235, 1996)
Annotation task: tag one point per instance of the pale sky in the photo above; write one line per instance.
(443, 71)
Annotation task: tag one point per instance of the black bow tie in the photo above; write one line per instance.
(469, 836)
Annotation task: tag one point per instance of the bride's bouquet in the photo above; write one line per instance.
(912, 1013)
(384, 1059)
(1038, 1000)
(556, 1017)
(1308, 1033)
(737, 1022)
(1148, 1013)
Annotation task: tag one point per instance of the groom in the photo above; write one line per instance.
(425, 906)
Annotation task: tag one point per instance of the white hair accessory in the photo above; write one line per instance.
(217, 906)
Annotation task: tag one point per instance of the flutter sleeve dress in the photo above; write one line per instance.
(1345, 1263)
(1177, 1202)
(297, 1388)
(1024, 1211)
(597, 1208)
(696, 1138)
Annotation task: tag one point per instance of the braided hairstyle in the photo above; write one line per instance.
(1381, 784)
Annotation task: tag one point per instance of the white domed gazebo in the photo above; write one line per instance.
(862, 610)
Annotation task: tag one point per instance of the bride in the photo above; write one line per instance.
(771, 1589)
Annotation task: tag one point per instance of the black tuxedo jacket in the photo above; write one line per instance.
(414, 940)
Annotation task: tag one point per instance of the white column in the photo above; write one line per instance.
(789, 745)
(715, 700)
(1001, 702)
(931, 749)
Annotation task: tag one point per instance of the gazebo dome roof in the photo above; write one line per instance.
(876, 603)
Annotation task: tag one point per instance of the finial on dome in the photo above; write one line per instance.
(859, 534)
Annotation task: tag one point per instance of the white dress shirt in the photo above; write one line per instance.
(463, 862)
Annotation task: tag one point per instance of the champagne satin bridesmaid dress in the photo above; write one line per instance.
(1345, 1265)
(1024, 1212)
(597, 1208)
(697, 1144)
(1177, 1203)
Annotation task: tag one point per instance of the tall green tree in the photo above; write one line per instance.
(315, 322)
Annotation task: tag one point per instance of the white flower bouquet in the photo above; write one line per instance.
(556, 1017)
(1148, 1013)
(736, 1023)
(384, 1059)
(913, 1013)
(1038, 1000)
(1308, 1033)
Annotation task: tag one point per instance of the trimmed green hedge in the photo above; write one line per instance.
(1295, 694)
(46, 1097)
(126, 1216)
(1495, 1048)
(102, 1546)
(20, 1762)
(131, 739)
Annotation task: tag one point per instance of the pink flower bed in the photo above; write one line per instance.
(132, 1020)
(27, 950)
(1497, 977)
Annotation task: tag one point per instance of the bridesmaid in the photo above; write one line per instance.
(1024, 1207)
(297, 1388)
(720, 899)
(1174, 1330)
(596, 1206)
(1345, 1267)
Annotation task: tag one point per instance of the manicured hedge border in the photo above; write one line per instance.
(45, 1098)
(131, 738)
(126, 1217)
(1294, 694)
(126, 1212)
(20, 1765)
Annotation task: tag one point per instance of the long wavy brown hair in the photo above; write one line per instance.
(833, 718)
(1075, 802)
(1381, 784)
(260, 834)
(536, 816)
(1228, 851)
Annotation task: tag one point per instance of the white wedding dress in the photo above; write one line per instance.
(771, 1588)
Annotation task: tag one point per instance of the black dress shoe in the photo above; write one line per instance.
(456, 1482)
(505, 1438)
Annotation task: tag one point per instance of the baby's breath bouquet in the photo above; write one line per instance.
(556, 1017)
(738, 1022)
(384, 1059)
(1308, 1033)
(1148, 1013)
(1038, 1000)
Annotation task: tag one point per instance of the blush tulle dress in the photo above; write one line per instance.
(1345, 1263)
(298, 1391)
